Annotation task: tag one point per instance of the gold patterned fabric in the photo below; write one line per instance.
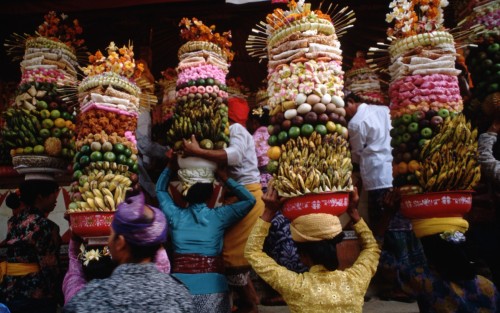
(318, 290)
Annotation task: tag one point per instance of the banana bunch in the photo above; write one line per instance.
(106, 165)
(205, 122)
(22, 128)
(314, 165)
(450, 158)
(100, 191)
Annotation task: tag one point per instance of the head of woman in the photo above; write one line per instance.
(41, 194)
(317, 236)
(137, 231)
(258, 117)
(446, 254)
(199, 193)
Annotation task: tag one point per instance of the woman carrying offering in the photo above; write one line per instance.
(447, 281)
(197, 236)
(324, 288)
(31, 276)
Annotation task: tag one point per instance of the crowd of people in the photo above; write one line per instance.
(211, 250)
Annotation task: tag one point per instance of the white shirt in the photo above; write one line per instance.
(371, 145)
(241, 156)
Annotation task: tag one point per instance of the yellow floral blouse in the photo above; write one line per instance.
(318, 290)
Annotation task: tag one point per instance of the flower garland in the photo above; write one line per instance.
(194, 30)
(87, 256)
(61, 29)
(119, 60)
(414, 17)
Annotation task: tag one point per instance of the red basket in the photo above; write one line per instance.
(91, 224)
(334, 203)
(436, 204)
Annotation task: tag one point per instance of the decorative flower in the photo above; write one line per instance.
(92, 255)
(194, 30)
(119, 60)
(61, 30)
(453, 236)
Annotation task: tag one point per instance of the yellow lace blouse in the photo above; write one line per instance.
(318, 290)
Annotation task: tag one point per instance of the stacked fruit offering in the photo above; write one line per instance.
(201, 87)
(105, 165)
(308, 134)
(363, 81)
(484, 59)
(424, 88)
(40, 121)
(165, 110)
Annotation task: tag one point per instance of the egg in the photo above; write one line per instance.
(312, 99)
(290, 114)
(338, 101)
(319, 108)
(329, 107)
(304, 108)
(300, 98)
(326, 98)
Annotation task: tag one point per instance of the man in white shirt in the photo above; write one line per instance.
(241, 159)
(369, 127)
(370, 141)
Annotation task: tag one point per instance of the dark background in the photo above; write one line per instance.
(152, 25)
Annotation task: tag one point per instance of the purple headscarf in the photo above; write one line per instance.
(130, 222)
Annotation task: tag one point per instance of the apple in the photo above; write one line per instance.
(393, 144)
(41, 105)
(412, 145)
(280, 117)
(44, 133)
(402, 147)
(286, 124)
(398, 158)
(56, 132)
(276, 129)
(323, 118)
(395, 122)
(342, 120)
(424, 123)
(338, 129)
(426, 132)
(334, 117)
(436, 120)
(415, 137)
(344, 132)
(418, 115)
(413, 127)
(397, 140)
(331, 127)
(47, 123)
(429, 114)
(406, 137)
(395, 151)
(406, 118)
(298, 121)
(272, 120)
(407, 157)
(270, 129)
(401, 129)
(444, 113)
(311, 117)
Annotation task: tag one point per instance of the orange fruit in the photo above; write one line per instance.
(395, 170)
(402, 168)
(413, 166)
(68, 124)
(59, 122)
(274, 153)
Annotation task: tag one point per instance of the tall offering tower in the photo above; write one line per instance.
(435, 150)
(39, 124)
(310, 158)
(201, 97)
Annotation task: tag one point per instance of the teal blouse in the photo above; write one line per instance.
(199, 229)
